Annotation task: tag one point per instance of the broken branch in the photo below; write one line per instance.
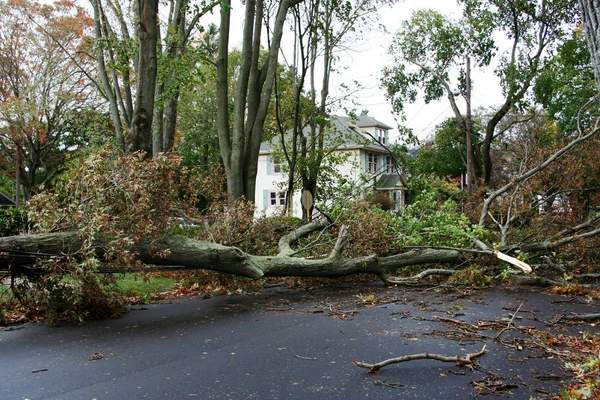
(467, 360)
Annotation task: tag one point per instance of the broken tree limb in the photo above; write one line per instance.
(195, 254)
(286, 242)
(581, 317)
(526, 268)
(467, 360)
(535, 170)
(421, 275)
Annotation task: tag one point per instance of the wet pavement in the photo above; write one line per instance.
(298, 344)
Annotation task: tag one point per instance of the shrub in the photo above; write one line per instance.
(12, 221)
(429, 222)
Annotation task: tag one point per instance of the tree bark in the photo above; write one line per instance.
(106, 89)
(240, 147)
(590, 10)
(140, 133)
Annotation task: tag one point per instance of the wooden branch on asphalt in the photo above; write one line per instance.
(580, 317)
(467, 360)
(421, 275)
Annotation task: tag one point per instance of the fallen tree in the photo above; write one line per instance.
(20, 254)
(23, 251)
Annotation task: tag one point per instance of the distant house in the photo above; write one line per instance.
(361, 139)
(5, 201)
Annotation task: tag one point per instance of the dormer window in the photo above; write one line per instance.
(382, 135)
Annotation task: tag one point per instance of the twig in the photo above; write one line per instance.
(467, 360)
(306, 358)
(509, 322)
(423, 274)
(393, 385)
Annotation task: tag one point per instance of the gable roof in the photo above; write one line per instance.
(344, 133)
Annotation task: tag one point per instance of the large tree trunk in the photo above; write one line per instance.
(140, 133)
(590, 10)
(240, 147)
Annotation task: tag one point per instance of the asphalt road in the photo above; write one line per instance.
(291, 344)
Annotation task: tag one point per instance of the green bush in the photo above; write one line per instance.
(12, 221)
(431, 222)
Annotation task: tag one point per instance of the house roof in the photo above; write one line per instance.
(5, 201)
(344, 133)
(365, 121)
(390, 182)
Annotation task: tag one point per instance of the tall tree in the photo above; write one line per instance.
(129, 51)
(566, 85)
(197, 112)
(42, 84)
(114, 51)
(240, 145)
(323, 27)
(532, 27)
(176, 67)
(432, 55)
(140, 131)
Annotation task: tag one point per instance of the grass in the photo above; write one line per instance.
(132, 284)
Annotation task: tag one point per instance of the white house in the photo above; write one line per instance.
(362, 139)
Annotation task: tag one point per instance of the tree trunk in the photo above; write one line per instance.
(240, 148)
(590, 10)
(140, 133)
(158, 122)
(468, 131)
(222, 90)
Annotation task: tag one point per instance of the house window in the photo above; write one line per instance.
(382, 135)
(387, 165)
(276, 199)
(274, 166)
(372, 162)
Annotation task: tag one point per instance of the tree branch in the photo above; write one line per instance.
(467, 360)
